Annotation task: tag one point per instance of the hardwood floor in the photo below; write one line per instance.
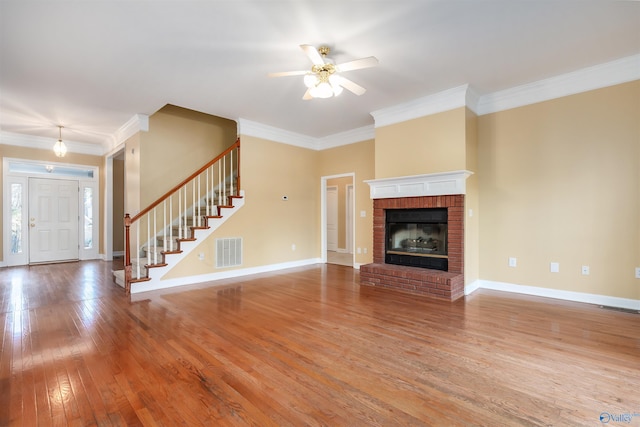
(308, 346)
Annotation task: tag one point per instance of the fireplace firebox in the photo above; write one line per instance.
(417, 238)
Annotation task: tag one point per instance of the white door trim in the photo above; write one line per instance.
(349, 220)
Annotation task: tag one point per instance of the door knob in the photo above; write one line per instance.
(32, 224)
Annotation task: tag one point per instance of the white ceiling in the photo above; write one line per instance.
(92, 65)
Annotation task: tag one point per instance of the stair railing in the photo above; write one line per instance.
(173, 217)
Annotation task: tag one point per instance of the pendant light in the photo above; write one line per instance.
(59, 148)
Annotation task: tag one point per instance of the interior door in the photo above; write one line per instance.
(53, 220)
(332, 218)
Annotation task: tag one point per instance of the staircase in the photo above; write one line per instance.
(165, 232)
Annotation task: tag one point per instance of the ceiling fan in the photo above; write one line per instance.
(324, 79)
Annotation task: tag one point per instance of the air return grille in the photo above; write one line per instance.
(228, 252)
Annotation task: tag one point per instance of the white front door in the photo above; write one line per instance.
(53, 220)
(332, 218)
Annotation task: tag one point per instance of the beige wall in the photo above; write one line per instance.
(16, 152)
(178, 143)
(268, 225)
(358, 158)
(560, 182)
(341, 185)
(431, 144)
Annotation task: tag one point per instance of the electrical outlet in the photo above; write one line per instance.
(585, 270)
(513, 262)
(365, 250)
(637, 272)
(554, 267)
(293, 246)
(359, 250)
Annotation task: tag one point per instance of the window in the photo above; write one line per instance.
(87, 203)
(16, 219)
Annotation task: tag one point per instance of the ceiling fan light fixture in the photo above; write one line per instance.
(323, 80)
(59, 148)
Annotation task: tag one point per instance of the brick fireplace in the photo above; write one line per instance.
(419, 192)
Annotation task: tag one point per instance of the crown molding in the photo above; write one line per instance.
(42, 143)
(345, 138)
(599, 76)
(259, 130)
(438, 102)
(137, 123)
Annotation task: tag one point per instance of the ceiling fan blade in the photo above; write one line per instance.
(287, 73)
(313, 54)
(357, 64)
(349, 85)
(307, 95)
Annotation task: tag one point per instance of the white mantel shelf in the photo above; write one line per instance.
(433, 184)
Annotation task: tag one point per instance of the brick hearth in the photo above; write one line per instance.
(438, 284)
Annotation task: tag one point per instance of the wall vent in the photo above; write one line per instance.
(229, 252)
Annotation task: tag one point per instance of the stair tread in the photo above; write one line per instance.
(163, 264)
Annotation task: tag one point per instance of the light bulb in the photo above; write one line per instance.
(323, 90)
(59, 148)
(310, 80)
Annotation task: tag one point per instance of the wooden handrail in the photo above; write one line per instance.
(188, 179)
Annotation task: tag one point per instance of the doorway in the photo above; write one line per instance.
(338, 219)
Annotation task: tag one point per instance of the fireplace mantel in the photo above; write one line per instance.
(433, 184)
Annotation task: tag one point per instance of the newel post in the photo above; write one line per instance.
(127, 254)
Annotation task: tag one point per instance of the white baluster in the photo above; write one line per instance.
(193, 203)
(213, 199)
(231, 172)
(164, 226)
(206, 199)
(154, 240)
(199, 197)
(219, 183)
(148, 234)
(137, 250)
(171, 223)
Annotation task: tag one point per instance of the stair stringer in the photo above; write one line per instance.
(155, 274)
